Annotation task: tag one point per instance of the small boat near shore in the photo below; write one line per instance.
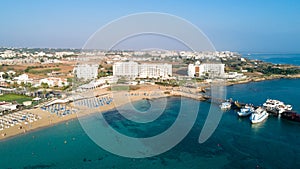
(225, 105)
(259, 115)
(246, 111)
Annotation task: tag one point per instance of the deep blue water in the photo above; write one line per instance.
(235, 144)
(277, 58)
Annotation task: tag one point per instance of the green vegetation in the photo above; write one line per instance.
(45, 85)
(103, 72)
(119, 88)
(252, 66)
(70, 80)
(173, 84)
(123, 88)
(177, 66)
(66, 87)
(15, 97)
(288, 71)
(41, 69)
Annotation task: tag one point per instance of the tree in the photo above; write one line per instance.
(15, 84)
(22, 84)
(44, 85)
(28, 85)
(69, 80)
(5, 76)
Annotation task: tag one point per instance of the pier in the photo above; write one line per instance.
(236, 105)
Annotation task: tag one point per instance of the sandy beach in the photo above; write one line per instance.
(119, 98)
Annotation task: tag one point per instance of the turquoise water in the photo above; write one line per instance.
(235, 144)
(277, 58)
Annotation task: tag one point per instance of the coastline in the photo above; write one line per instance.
(144, 92)
(49, 120)
(265, 78)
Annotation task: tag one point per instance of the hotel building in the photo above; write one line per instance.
(210, 69)
(126, 69)
(144, 70)
(86, 71)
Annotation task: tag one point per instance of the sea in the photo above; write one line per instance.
(277, 58)
(235, 144)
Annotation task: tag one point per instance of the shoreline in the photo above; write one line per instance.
(3, 139)
(260, 79)
(50, 120)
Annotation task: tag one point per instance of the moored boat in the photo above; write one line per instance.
(271, 104)
(276, 105)
(225, 105)
(259, 115)
(246, 111)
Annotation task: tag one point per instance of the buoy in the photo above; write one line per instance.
(65, 141)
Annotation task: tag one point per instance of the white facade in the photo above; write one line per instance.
(102, 82)
(1, 76)
(155, 70)
(192, 70)
(8, 106)
(86, 71)
(145, 70)
(22, 78)
(210, 69)
(213, 69)
(235, 76)
(53, 81)
(11, 72)
(127, 69)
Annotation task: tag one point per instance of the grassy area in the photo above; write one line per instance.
(43, 71)
(15, 97)
(123, 88)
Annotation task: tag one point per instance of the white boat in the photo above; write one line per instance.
(272, 104)
(225, 105)
(245, 111)
(283, 108)
(289, 107)
(259, 115)
(277, 105)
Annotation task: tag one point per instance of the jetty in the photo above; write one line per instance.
(236, 105)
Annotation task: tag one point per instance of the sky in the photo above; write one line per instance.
(235, 25)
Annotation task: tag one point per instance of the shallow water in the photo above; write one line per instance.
(235, 144)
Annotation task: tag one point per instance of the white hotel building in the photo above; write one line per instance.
(144, 70)
(212, 69)
(126, 69)
(86, 71)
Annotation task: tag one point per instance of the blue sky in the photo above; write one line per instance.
(252, 26)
